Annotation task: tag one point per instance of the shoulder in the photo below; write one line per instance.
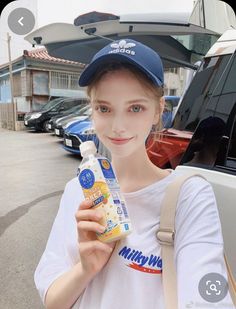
(193, 186)
(197, 218)
(196, 199)
(73, 186)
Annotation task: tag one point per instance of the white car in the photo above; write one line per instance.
(209, 105)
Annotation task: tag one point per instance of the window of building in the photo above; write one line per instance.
(172, 92)
(172, 70)
(61, 80)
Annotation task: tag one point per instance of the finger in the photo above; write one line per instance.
(86, 204)
(90, 226)
(89, 214)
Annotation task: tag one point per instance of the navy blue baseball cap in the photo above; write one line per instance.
(126, 51)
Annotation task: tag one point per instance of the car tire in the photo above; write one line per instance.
(45, 126)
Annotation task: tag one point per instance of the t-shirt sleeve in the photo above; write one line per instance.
(55, 260)
(198, 243)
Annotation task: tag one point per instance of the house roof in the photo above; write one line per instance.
(42, 54)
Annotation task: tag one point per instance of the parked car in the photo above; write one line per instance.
(212, 92)
(73, 110)
(63, 123)
(212, 153)
(77, 133)
(39, 120)
(30, 117)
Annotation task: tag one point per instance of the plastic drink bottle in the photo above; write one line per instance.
(99, 184)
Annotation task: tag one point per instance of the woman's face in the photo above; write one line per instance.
(123, 112)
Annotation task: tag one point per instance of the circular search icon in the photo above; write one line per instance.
(213, 287)
(21, 21)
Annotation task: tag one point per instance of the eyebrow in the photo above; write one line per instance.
(141, 100)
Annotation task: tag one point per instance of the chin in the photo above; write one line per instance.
(122, 151)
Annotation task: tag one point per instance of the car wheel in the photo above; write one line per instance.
(45, 126)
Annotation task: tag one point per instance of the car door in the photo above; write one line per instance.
(212, 153)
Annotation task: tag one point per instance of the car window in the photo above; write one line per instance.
(51, 104)
(205, 143)
(232, 147)
(231, 158)
(75, 108)
(204, 92)
(68, 104)
(213, 144)
(172, 100)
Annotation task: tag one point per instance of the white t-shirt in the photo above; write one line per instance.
(132, 277)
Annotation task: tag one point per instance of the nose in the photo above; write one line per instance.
(118, 125)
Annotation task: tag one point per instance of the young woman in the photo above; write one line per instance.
(125, 87)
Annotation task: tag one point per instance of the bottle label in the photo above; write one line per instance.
(100, 185)
(106, 168)
(86, 178)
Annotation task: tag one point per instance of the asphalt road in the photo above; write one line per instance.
(34, 170)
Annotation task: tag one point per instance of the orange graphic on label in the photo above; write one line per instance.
(105, 164)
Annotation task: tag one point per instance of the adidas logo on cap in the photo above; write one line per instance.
(122, 47)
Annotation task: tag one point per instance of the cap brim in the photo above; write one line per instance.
(89, 72)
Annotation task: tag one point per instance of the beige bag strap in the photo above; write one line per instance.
(166, 235)
(231, 282)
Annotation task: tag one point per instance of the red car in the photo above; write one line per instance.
(167, 151)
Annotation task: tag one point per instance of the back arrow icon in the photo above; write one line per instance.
(19, 21)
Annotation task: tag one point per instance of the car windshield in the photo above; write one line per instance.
(198, 43)
(51, 104)
(86, 110)
(76, 109)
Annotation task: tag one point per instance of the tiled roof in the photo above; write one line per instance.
(42, 54)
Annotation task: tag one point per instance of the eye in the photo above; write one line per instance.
(102, 109)
(136, 108)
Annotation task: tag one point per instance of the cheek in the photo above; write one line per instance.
(100, 124)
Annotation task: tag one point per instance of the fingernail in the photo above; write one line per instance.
(102, 229)
(89, 202)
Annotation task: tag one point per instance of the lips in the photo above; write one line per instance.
(120, 140)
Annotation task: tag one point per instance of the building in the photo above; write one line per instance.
(37, 77)
(175, 79)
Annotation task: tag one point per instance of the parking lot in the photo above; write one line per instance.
(34, 171)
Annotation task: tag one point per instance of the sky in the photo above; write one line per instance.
(51, 11)
(76, 7)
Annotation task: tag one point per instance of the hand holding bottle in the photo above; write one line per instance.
(94, 254)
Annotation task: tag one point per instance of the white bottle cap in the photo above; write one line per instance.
(87, 148)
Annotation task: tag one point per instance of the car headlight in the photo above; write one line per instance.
(35, 116)
(89, 131)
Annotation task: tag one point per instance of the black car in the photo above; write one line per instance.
(75, 110)
(39, 120)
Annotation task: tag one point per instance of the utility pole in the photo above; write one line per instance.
(11, 80)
